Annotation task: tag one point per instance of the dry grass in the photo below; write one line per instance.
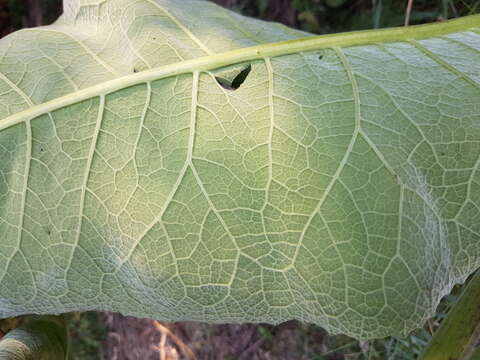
(134, 339)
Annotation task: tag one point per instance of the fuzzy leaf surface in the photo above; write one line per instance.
(174, 160)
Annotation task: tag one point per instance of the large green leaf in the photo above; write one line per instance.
(338, 184)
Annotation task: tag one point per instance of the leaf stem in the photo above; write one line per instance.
(453, 340)
(476, 354)
(40, 338)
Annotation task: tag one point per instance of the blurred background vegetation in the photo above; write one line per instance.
(112, 336)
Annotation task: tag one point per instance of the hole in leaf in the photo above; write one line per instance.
(135, 70)
(237, 81)
(324, 55)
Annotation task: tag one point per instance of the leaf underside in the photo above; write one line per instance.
(143, 172)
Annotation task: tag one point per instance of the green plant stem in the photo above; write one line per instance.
(476, 354)
(40, 338)
(454, 338)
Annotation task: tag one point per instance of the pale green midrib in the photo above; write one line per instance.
(206, 63)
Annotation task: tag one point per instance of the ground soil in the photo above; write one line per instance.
(132, 339)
